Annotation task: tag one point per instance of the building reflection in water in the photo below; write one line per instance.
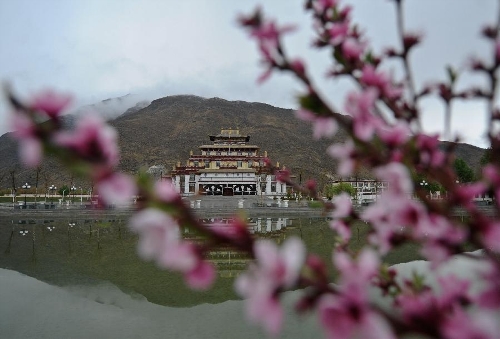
(230, 262)
(83, 236)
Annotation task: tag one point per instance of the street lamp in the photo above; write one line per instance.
(25, 187)
(73, 189)
(424, 185)
(63, 192)
(52, 189)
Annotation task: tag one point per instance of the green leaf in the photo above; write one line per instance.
(452, 74)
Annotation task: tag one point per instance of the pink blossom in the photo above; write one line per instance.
(283, 266)
(202, 276)
(491, 236)
(345, 154)
(338, 32)
(489, 297)
(439, 237)
(437, 227)
(322, 126)
(464, 194)
(397, 176)
(268, 35)
(357, 272)
(380, 81)
(166, 191)
(92, 140)
(30, 152)
(435, 252)
(395, 135)
(298, 67)
(30, 147)
(430, 154)
(461, 325)
(420, 308)
(393, 217)
(343, 206)
(360, 107)
(117, 188)
(322, 5)
(453, 289)
(341, 228)
(50, 102)
(22, 126)
(352, 49)
(178, 255)
(497, 52)
(265, 75)
(348, 314)
(156, 230)
(274, 269)
(268, 32)
(160, 240)
(345, 12)
(343, 319)
(490, 172)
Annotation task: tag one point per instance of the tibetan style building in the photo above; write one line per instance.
(228, 166)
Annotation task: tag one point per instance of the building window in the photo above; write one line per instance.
(207, 164)
(240, 164)
(217, 164)
(196, 164)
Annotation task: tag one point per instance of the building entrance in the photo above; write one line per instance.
(228, 192)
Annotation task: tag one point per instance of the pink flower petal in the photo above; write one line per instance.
(50, 102)
(30, 152)
(202, 276)
(166, 191)
(117, 188)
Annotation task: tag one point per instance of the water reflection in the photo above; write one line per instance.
(88, 251)
(74, 251)
(229, 262)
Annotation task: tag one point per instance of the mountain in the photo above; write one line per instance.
(163, 132)
(113, 107)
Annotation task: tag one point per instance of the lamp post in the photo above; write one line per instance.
(81, 196)
(63, 192)
(425, 185)
(25, 187)
(52, 189)
(73, 189)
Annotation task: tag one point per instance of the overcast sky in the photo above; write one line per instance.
(109, 48)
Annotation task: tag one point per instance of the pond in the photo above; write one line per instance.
(90, 251)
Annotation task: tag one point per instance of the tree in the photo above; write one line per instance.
(463, 171)
(332, 190)
(486, 157)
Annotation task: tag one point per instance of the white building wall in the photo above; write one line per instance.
(177, 183)
(186, 183)
(268, 185)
